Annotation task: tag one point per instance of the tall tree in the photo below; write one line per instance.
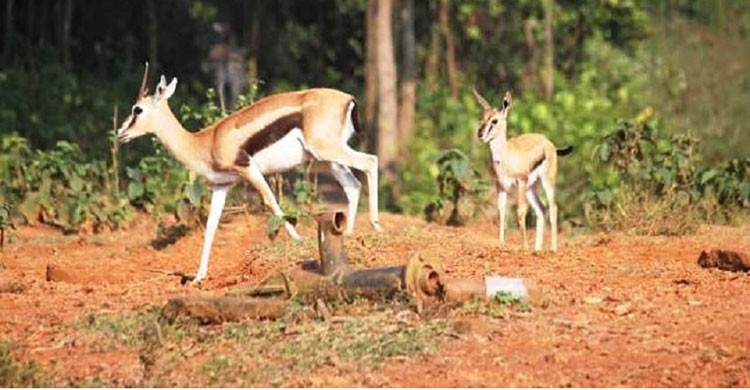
(531, 71)
(407, 82)
(387, 104)
(548, 68)
(7, 49)
(432, 63)
(371, 73)
(153, 34)
(67, 24)
(450, 47)
(254, 38)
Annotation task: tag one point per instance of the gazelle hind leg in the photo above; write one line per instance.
(255, 177)
(536, 205)
(502, 202)
(521, 211)
(218, 198)
(364, 162)
(549, 190)
(351, 187)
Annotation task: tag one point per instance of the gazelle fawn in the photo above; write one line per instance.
(521, 163)
(274, 134)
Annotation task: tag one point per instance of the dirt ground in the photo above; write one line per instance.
(615, 310)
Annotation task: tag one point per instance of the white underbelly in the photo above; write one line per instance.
(508, 183)
(282, 155)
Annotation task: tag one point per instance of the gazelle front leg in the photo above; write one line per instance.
(521, 211)
(536, 205)
(549, 190)
(364, 162)
(502, 201)
(351, 187)
(218, 198)
(255, 177)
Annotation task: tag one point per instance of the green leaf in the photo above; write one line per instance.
(195, 192)
(273, 226)
(683, 198)
(604, 151)
(708, 175)
(135, 190)
(30, 207)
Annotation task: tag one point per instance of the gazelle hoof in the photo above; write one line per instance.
(376, 226)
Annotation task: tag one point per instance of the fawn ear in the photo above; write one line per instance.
(507, 100)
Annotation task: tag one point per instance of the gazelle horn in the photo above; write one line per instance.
(143, 91)
(481, 100)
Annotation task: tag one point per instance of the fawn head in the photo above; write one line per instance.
(494, 120)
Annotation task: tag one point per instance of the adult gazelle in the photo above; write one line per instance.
(274, 134)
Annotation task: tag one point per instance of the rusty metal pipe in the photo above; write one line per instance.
(462, 289)
(419, 278)
(331, 226)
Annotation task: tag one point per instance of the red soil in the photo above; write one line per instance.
(616, 310)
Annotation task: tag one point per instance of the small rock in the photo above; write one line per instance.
(593, 300)
(622, 309)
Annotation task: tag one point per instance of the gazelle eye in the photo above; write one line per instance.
(137, 110)
(494, 121)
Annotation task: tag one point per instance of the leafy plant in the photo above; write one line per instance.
(5, 222)
(460, 190)
(18, 374)
(660, 177)
(59, 188)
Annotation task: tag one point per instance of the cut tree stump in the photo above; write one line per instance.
(724, 260)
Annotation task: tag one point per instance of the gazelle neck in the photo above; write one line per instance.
(499, 146)
(180, 143)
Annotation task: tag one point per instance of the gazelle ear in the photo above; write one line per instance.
(482, 101)
(507, 100)
(164, 90)
(171, 88)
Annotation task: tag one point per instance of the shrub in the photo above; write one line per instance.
(59, 188)
(461, 190)
(659, 178)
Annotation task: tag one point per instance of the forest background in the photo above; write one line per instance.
(652, 95)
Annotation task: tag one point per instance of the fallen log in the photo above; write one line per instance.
(724, 260)
(214, 310)
(10, 284)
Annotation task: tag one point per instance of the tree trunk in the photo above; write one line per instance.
(43, 22)
(531, 73)
(407, 83)
(254, 43)
(8, 48)
(67, 23)
(371, 74)
(450, 47)
(549, 50)
(432, 64)
(153, 36)
(30, 17)
(387, 107)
